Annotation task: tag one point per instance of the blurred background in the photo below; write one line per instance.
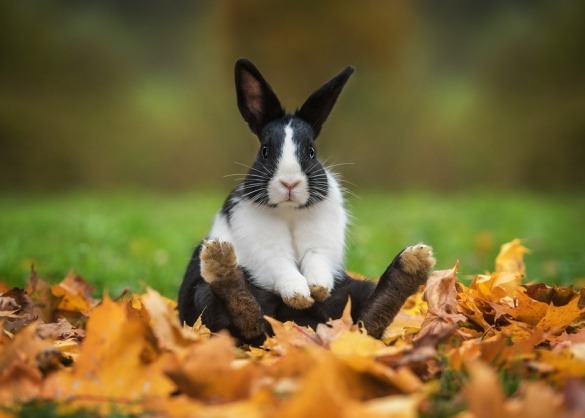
(463, 127)
(450, 95)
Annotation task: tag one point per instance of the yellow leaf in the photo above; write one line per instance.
(402, 325)
(75, 293)
(356, 344)
(496, 286)
(558, 318)
(527, 309)
(288, 335)
(209, 372)
(112, 365)
(165, 323)
(562, 361)
(331, 387)
(335, 327)
(511, 258)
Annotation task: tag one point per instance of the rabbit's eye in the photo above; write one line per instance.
(311, 152)
(265, 152)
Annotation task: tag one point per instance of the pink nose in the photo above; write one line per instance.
(289, 186)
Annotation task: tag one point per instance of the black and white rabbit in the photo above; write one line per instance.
(277, 246)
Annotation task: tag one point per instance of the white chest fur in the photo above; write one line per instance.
(286, 250)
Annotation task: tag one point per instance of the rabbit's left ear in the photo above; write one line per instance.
(317, 107)
(257, 102)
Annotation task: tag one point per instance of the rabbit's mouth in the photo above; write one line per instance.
(288, 192)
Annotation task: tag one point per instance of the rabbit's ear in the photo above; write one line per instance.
(257, 102)
(317, 107)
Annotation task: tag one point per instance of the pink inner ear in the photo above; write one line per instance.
(253, 94)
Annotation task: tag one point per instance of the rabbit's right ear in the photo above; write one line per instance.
(257, 102)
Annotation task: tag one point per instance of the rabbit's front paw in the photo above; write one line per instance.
(417, 260)
(297, 297)
(319, 279)
(319, 293)
(218, 261)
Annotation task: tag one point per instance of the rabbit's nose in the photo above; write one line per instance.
(290, 185)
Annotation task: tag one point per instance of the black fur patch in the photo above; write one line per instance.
(374, 304)
(255, 185)
(303, 137)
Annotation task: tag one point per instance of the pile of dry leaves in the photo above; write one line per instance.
(495, 348)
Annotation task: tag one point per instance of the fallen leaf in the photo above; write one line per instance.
(558, 318)
(483, 393)
(356, 344)
(112, 365)
(395, 406)
(442, 317)
(18, 310)
(334, 328)
(511, 258)
(75, 294)
(538, 400)
(558, 296)
(60, 330)
(528, 310)
(209, 372)
(134, 355)
(165, 323)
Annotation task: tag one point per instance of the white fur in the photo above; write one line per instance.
(284, 248)
(289, 172)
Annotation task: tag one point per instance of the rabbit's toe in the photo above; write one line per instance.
(218, 260)
(298, 301)
(319, 293)
(417, 260)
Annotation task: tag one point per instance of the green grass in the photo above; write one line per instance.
(131, 240)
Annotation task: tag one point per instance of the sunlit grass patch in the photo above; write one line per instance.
(129, 240)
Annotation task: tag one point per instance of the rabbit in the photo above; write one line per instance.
(277, 245)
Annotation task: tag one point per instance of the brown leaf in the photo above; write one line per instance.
(44, 301)
(440, 292)
(575, 397)
(442, 317)
(60, 330)
(20, 376)
(18, 310)
(20, 383)
(558, 296)
(25, 348)
(483, 393)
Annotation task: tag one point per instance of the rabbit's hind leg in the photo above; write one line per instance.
(226, 279)
(409, 269)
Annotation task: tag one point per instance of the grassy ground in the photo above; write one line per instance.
(136, 239)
